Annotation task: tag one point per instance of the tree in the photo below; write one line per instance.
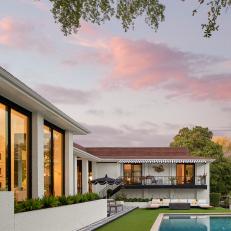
(199, 142)
(225, 142)
(69, 13)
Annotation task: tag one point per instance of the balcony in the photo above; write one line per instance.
(139, 182)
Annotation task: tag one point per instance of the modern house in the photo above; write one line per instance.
(36, 143)
(150, 172)
(37, 155)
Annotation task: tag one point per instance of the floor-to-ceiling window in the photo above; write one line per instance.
(53, 160)
(79, 177)
(3, 147)
(89, 176)
(132, 173)
(185, 173)
(15, 149)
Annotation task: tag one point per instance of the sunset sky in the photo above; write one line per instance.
(135, 88)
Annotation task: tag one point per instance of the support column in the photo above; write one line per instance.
(37, 156)
(85, 175)
(69, 158)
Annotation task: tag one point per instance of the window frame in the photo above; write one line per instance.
(54, 127)
(194, 172)
(9, 106)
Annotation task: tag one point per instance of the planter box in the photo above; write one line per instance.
(6, 211)
(63, 218)
(136, 204)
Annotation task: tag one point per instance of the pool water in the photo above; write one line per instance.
(195, 223)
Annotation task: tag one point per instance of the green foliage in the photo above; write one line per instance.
(215, 199)
(221, 176)
(51, 201)
(121, 197)
(66, 200)
(215, 9)
(70, 13)
(28, 205)
(199, 142)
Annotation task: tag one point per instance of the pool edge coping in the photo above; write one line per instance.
(158, 220)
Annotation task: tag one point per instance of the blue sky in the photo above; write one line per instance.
(130, 89)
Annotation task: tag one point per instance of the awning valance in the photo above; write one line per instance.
(162, 161)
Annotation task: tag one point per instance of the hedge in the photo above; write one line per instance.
(215, 199)
(52, 201)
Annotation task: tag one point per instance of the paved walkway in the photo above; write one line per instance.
(106, 220)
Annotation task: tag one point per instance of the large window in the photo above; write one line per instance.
(185, 173)
(132, 173)
(79, 176)
(15, 149)
(53, 160)
(89, 176)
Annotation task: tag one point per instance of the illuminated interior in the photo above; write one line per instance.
(53, 161)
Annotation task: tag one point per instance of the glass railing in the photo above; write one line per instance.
(164, 180)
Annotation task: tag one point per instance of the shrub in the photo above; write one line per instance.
(215, 199)
(28, 205)
(66, 200)
(52, 201)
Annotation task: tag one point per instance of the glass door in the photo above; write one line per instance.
(132, 173)
(185, 173)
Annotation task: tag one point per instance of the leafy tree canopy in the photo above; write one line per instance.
(199, 142)
(69, 13)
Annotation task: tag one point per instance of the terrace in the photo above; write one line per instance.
(164, 182)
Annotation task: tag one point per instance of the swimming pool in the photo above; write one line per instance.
(195, 223)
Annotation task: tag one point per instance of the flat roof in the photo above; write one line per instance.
(18, 92)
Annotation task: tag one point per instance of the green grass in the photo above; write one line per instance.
(143, 219)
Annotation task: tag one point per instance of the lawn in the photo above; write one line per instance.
(143, 219)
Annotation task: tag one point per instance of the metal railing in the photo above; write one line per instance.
(163, 180)
(104, 192)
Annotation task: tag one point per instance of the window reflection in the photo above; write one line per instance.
(53, 161)
(19, 154)
(3, 147)
(47, 161)
(58, 163)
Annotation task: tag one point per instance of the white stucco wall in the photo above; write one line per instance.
(68, 218)
(6, 211)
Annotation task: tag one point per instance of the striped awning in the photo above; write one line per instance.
(162, 161)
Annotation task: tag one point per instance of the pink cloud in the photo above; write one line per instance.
(23, 35)
(147, 65)
(141, 65)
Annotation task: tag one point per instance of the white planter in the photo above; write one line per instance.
(63, 218)
(136, 204)
(6, 211)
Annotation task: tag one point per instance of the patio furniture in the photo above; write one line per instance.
(179, 206)
(204, 204)
(112, 204)
(154, 204)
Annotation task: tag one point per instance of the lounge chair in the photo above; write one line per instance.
(165, 202)
(193, 202)
(154, 204)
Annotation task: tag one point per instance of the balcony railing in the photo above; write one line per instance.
(164, 180)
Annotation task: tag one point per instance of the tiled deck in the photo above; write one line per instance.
(106, 220)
